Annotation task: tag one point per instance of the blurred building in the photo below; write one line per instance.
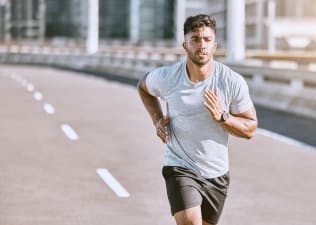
(22, 19)
(141, 20)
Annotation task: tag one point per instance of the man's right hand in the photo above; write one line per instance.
(162, 129)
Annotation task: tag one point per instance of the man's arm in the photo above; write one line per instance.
(153, 107)
(150, 102)
(242, 125)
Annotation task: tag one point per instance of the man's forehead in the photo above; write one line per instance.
(203, 31)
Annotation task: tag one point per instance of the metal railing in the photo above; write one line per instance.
(291, 88)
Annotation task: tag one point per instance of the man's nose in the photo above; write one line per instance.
(202, 44)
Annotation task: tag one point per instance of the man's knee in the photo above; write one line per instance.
(191, 216)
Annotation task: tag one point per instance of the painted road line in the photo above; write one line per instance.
(285, 139)
(24, 83)
(49, 108)
(107, 177)
(18, 79)
(30, 87)
(69, 132)
(38, 96)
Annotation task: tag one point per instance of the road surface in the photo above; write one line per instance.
(78, 149)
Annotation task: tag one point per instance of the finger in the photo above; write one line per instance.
(214, 99)
(162, 129)
(210, 98)
(210, 101)
(210, 95)
(163, 137)
(210, 108)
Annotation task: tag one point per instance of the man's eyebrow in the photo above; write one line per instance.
(197, 36)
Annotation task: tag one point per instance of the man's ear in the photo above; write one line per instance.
(184, 45)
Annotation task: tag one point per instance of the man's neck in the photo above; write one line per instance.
(199, 73)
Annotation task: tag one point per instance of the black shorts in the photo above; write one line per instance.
(186, 189)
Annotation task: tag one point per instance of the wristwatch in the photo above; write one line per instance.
(224, 116)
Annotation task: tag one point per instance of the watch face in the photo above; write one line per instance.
(225, 116)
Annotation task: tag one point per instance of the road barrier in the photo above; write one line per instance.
(291, 88)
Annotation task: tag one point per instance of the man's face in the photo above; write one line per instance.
(200, 45)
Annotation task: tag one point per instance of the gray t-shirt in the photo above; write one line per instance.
(196, 141)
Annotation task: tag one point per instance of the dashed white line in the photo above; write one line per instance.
(38, 96)
(24, 83)
(69, 132)
(30, 87)
(107, 177)
(49, 108)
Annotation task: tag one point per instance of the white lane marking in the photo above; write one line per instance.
(30, 87)
(112, 183)
(18, 78)
(69, 132)
(24, 83)
(285, 139)
(38, 96)
(49, 108)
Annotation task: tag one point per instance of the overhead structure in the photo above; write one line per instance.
(236, 15)
(92, 42)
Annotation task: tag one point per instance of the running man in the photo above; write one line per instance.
(206, 102)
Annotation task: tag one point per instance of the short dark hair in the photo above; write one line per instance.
(200, 20)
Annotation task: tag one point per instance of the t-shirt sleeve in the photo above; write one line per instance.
(154, 82)
(241, 101)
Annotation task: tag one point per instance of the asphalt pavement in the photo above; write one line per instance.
(78, 149)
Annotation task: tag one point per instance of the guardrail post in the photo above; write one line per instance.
(235, 30)
(271, 19)
(93, 27)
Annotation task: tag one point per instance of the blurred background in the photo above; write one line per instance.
(137, 21)
(59, 125)
(270, 42)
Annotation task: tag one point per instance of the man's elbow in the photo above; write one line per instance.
(251, 131)
(250, 135)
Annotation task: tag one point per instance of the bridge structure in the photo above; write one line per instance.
(79, 149)
(284, 80)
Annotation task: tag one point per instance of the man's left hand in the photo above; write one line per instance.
(213, 104)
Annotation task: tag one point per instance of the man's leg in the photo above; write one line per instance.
(191, 216)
